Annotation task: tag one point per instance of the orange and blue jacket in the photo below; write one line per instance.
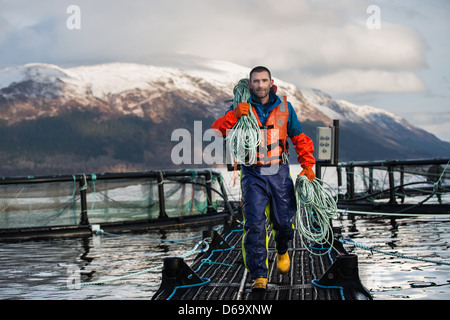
(277, 120)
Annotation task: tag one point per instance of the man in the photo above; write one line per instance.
(267, 188)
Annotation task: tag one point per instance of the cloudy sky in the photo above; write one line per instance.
(391, 54)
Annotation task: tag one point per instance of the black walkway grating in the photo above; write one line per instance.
(224, 276)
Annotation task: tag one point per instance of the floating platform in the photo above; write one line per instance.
(220, 274)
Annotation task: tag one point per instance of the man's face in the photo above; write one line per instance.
(260, 84)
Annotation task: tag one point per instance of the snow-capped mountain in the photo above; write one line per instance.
(37, 90)
(376, 134)
(116, 89)
(102, 116)
(349, 112)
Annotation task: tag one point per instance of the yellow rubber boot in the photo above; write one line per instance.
(283, 263)
(260, 284)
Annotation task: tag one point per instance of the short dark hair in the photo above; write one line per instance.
(260, 69)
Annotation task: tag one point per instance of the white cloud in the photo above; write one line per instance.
(393, 47)
(321, 43)
(359, 81)
(352, 58)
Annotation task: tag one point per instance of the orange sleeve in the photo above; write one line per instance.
(304, 147)
(225, 123)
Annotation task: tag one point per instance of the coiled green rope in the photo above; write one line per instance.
(315, 209)
(245, 136)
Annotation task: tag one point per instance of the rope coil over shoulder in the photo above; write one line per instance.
(245, 136)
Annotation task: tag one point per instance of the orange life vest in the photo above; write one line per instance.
(273, 147)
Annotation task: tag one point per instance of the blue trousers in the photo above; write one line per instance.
(266, 194)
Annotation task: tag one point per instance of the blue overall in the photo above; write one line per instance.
(267, 192)
(276, 192)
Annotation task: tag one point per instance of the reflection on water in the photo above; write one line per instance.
(391, 277)
(35, 269)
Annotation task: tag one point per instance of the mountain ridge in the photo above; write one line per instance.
(135, 107)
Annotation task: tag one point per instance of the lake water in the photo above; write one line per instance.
(37, 269)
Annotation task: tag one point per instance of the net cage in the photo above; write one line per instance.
(107, 198)
(392, 181)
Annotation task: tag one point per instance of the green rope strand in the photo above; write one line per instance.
(372, 249)
(245, 136)
(196, 250)
(315, 209)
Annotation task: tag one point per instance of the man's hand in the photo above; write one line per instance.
(309, 173)
(241, 110)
